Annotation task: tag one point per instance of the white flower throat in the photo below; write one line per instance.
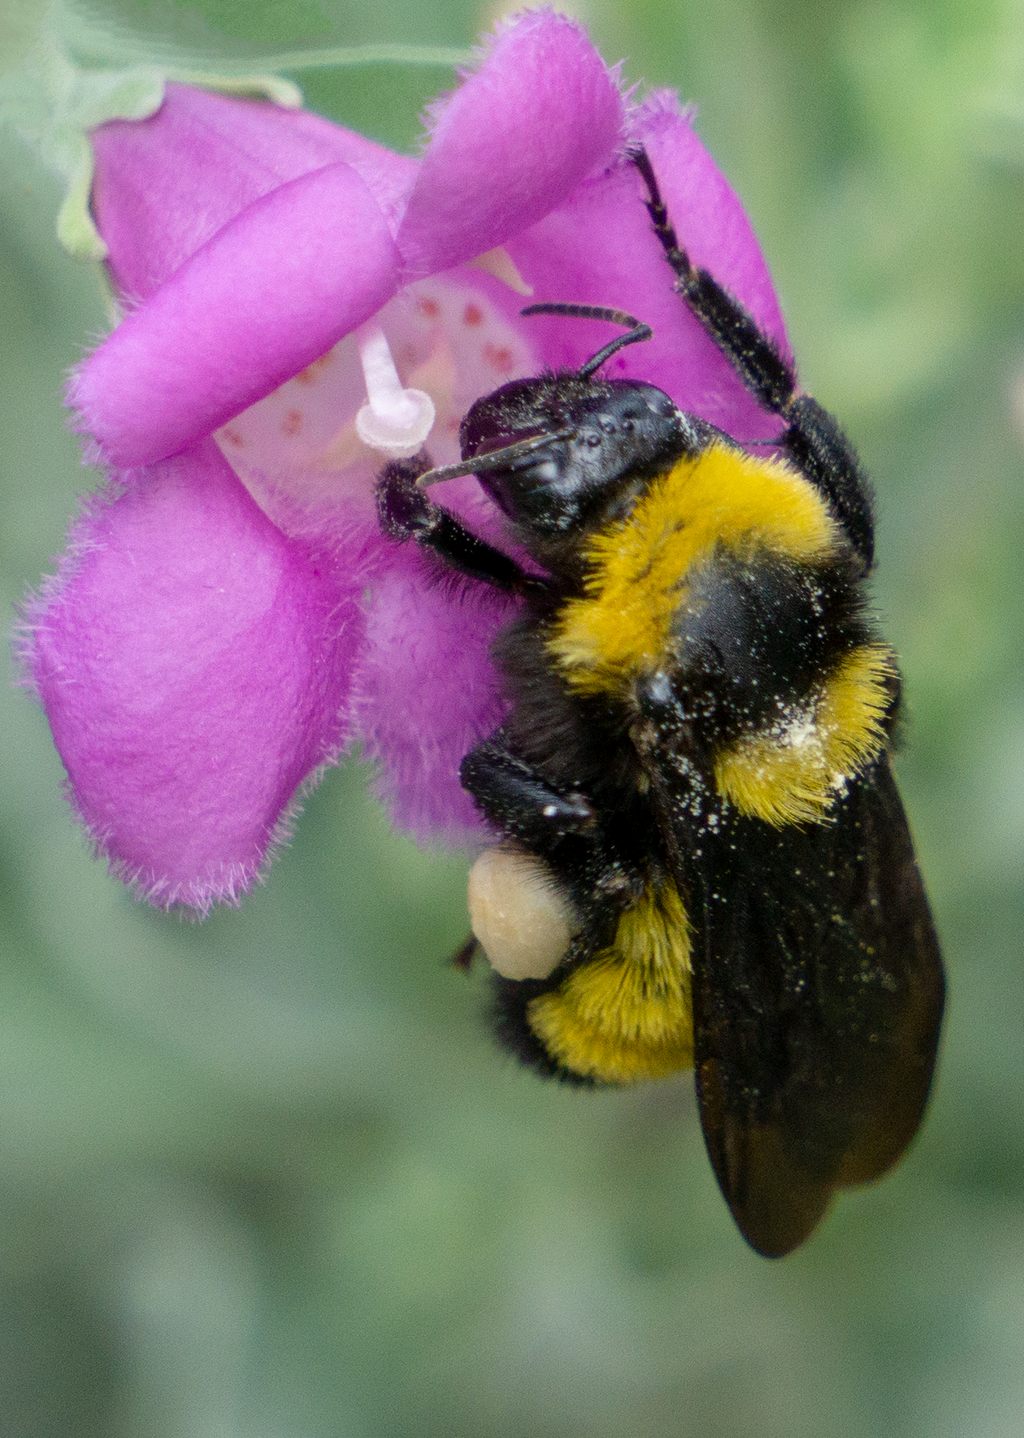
(404, 379)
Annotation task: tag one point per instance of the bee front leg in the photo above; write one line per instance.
(406, 513)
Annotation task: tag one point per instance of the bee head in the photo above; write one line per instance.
(563, 453)
(557, 451)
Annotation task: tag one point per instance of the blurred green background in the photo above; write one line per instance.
(266, 1177)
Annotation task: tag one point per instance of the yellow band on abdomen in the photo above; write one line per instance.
(793, 770)
(627, 1014)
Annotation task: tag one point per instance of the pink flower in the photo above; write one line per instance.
(228, 620)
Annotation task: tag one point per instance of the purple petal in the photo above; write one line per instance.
(166, 185)
(426, 693)
(271, 292)
(598, 248)
(542, 112)
(195, 667)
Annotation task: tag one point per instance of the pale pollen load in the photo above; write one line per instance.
(523, 922)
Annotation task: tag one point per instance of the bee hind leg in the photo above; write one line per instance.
(520, 802)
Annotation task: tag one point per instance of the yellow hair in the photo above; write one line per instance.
(793, 771)
(637, 578)
(626, 1015)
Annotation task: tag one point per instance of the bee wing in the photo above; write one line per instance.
(818, 993)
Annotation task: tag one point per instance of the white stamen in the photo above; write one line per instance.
(395, 420)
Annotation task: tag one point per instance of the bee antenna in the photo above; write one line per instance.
(494, 458)
(508, 455)
(637, 329)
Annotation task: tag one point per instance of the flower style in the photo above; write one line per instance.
(228, 619)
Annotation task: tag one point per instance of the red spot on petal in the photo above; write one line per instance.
(499, 357)
(233, 437)
(292, 423)
(311, 373)
(452, 425)
(429, 309)
(472, 315)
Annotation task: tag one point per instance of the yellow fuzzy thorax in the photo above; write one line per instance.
(793, 771)
(721, 498)
(626, 1015)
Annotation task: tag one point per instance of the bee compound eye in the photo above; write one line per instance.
(522, 918)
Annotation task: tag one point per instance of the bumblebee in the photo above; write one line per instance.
(699, 826)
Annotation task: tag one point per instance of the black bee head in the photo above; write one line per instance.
(564, 448)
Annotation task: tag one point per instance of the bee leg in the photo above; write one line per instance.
(406, 513)
(812, 438)
(522, 804)
(464, 955)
